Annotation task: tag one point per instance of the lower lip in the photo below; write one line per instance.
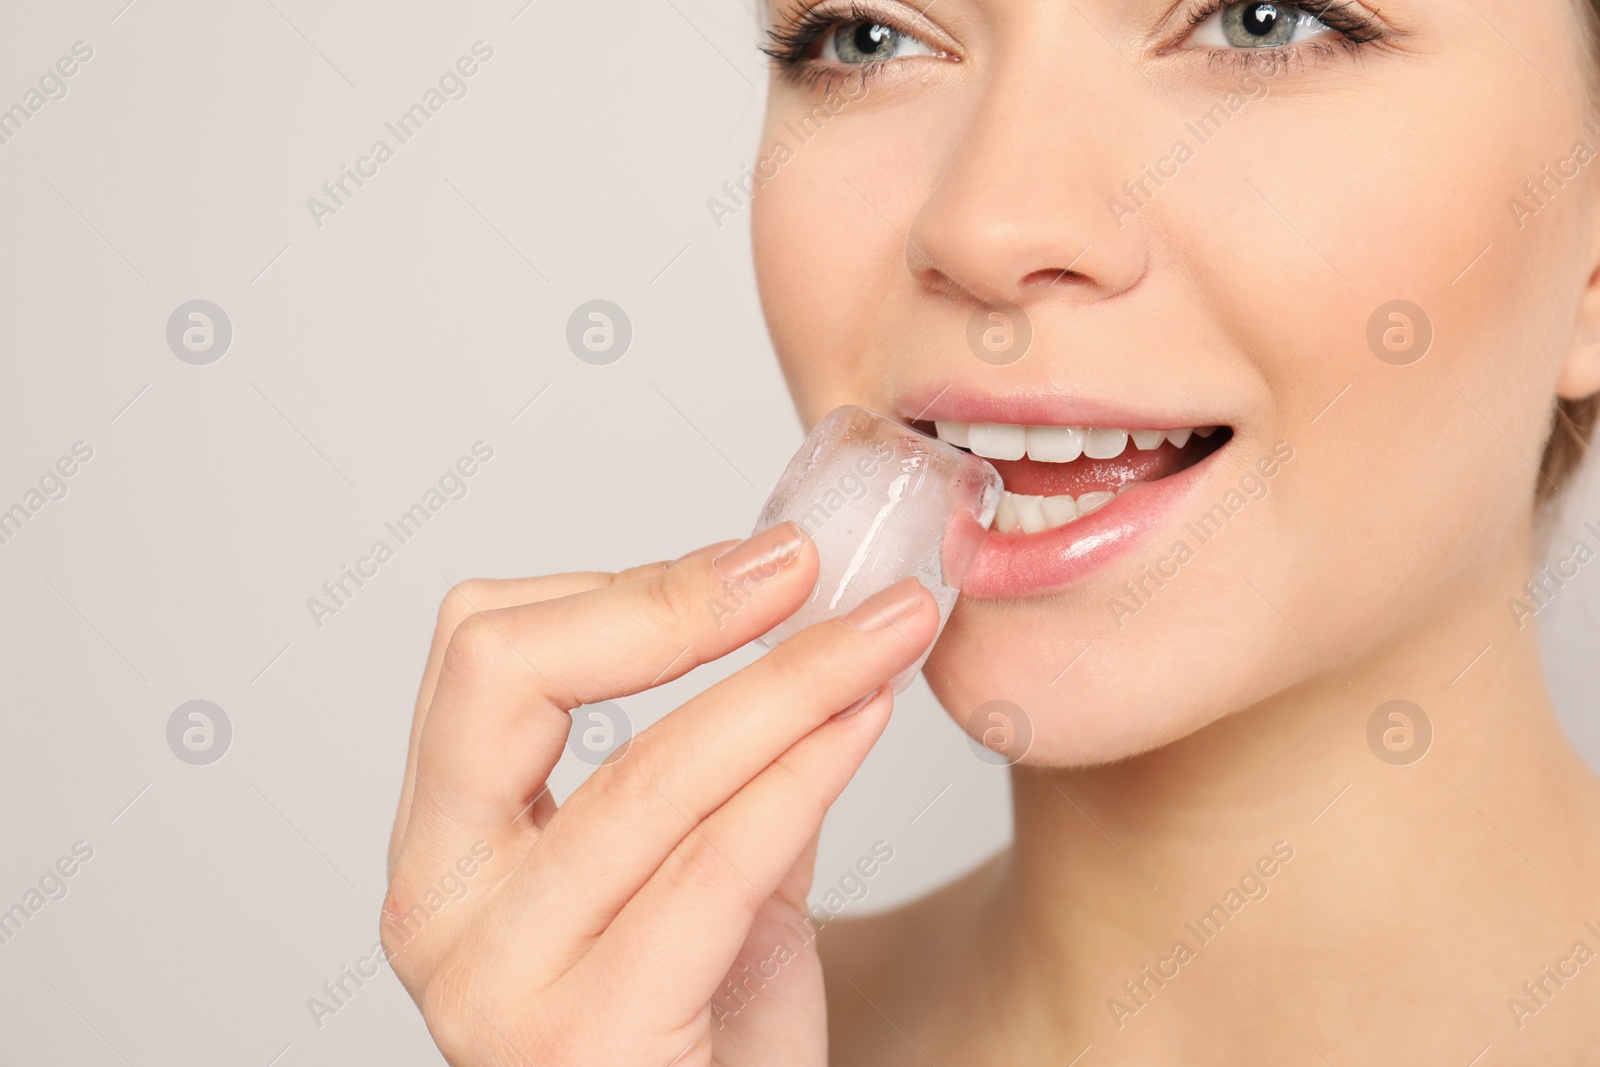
(1015, 565)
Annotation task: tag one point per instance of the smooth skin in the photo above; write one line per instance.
(1228, 715)
(1230, 711)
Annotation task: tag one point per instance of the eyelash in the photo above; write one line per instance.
(1355, 26)
(790, 45)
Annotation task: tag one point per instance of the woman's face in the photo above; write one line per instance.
(1161, 215)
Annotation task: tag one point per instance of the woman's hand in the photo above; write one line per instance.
(606, 932)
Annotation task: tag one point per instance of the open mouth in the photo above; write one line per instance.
(1056, 475)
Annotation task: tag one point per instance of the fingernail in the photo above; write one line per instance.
(765, 554)
(858, 705)
(886, 607)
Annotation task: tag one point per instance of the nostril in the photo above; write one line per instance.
(1053, 276)
(937, 281)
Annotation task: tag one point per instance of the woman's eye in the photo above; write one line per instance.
(860, 42)
(1254, 24)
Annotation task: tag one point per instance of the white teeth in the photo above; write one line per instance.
(1059, 444)
(1005, 514)
(1055, 444)
(1148, 440)
(1030, 513)
(997, 442)
(1018, 513)
(953, 432)
(1089, 503)
(1102, 443)
(1059, 510)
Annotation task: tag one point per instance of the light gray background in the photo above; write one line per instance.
(368, 354)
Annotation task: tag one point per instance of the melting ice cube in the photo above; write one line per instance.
(882, 502)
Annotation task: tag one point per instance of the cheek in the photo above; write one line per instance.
(1300, 230)
(1414, 485)
(1288, 231)
(830, 264)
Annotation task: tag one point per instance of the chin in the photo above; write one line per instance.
(1083, 698)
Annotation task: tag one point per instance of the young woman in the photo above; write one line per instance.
(1316, 281)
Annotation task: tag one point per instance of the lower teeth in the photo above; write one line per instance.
(1020, 513)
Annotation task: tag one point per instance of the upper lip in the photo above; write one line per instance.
(950, 402)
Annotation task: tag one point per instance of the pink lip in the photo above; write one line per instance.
(1014, 565)
(1048, 407)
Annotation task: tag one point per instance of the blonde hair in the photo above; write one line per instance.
(1574, 420)
(1569, 443)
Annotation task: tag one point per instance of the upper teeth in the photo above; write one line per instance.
(1058, 444)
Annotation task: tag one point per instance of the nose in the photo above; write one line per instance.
(1026, 208)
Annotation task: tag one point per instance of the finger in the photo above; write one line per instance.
(464, 600)
(498, 720)
(617, 828)
(686, 926)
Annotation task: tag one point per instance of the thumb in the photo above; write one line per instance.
(796, 884)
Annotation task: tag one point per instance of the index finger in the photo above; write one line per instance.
(473, 597)
(508, 677)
